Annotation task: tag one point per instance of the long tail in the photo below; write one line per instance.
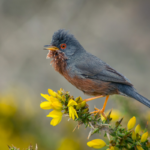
(131, 92)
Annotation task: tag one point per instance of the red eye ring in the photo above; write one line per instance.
(63, 46)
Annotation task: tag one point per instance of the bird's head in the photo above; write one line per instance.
(64, 42)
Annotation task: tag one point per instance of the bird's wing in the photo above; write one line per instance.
(99, 70)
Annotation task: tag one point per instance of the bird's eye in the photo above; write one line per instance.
(63, 46)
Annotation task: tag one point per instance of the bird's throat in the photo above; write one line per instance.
(58, 60)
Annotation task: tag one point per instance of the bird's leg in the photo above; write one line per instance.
(92, 98)
(101, 111)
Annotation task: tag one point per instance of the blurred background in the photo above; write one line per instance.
(116, 31)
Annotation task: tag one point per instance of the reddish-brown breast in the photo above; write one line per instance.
(88, 86)
(92, 87)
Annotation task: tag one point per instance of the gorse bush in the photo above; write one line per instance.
(120, 138)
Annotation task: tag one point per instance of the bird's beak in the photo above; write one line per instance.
(49, 47)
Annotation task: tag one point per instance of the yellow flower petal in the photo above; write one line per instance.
(55, 121)
(72, 112)
(58, 96)
(57, 105)
(46, 105)
(63, 98)
(96, 143)
(131, 123)
(137, 129)
(71, 103)
(83, 103)
(139, 147)
(47, 97)
(144, 137)
(52, 93)
(55, 114)
(133, 135)
(52, 99)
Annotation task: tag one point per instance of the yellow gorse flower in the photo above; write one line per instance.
(57, 105)
(46, 96)
(72, 111)
(46, 105)
(131, 123)
(56, 115)
(144, 137)
(137, 129)
(51, 103)
(52, 93)
(133, 135)
(96, 143)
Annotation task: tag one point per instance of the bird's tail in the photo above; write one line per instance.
(131, 92)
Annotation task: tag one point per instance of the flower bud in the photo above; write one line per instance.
(63, 98)
(85, 110)
(144, 137)
(131, 123)
(58, 96)
(83, 103)
(96, 143)
(78, 99)
(78, 106)
(133, 135)
(137, 129)
(59, 92)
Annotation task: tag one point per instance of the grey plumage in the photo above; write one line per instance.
(131, 92)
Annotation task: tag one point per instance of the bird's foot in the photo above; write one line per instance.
(99, 111)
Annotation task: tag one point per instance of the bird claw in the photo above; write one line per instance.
(99, 111)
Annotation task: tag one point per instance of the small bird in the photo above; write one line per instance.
(87, 72)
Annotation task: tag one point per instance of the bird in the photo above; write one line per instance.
(87, 72)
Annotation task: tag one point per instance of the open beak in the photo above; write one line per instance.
(49, 47)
